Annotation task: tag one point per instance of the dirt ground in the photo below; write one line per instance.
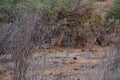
(69, 64)
(63, 64)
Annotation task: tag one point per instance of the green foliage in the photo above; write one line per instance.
(49, 8)
(6, 10)
(6, 7)
(47, 4)
(115, 10)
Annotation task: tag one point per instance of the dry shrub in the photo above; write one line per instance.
(19, 42)
(116, 61)
(69, 19)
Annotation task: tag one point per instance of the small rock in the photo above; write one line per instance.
(75, 58)
(56, 62)
(76, 69)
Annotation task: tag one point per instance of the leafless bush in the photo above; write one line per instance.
(112, 65)
(116, 61)
(20, 44)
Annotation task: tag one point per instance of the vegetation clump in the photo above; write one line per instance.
(114, 13)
